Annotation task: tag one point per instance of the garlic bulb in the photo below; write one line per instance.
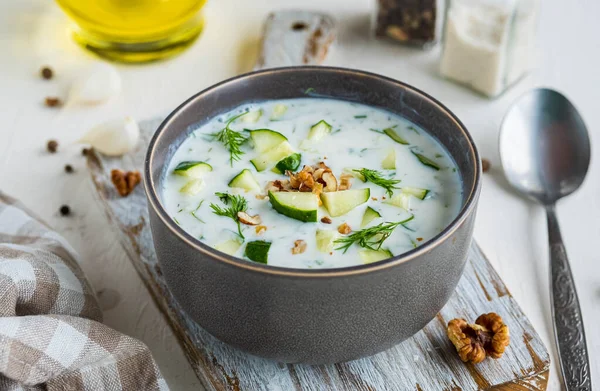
(96, 84)
(113, 138)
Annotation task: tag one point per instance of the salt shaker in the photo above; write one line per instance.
(411, 22)
(488, 44)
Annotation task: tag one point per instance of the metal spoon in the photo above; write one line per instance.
(545, 152)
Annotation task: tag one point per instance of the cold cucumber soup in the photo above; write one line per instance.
(311, 183)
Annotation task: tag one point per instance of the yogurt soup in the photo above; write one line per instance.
(311, 183)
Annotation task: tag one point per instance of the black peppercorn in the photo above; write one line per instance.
(52, 146)
(47, 73)
(69, 168)
(65, 210)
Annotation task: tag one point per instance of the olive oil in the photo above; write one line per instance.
(135, 30)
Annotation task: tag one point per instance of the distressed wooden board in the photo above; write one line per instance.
(295, 38)
(427, 361)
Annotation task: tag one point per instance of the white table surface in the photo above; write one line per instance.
(511, 231)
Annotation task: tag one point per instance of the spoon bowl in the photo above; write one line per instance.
(544, 146)
(545, 153)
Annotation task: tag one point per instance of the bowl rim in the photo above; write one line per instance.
(155, 203)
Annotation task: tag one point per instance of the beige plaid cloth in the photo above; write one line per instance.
(51, 337)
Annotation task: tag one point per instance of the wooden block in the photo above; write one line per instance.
(296, 38)
(427, 361)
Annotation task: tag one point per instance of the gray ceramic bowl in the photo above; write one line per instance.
(307, 315)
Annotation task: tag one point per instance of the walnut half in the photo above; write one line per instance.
(489, 336)
(125, 182)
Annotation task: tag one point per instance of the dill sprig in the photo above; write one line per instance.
(371, 238)
(376, 178)
(235, 203)
(231, 139)
(195, 210)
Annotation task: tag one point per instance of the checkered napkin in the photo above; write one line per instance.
(51, 337)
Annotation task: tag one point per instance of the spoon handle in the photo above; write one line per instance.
(568, 322)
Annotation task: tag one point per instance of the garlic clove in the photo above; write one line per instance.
(113, 138)
(96, 84)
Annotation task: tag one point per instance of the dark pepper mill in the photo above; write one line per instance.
(411, 22)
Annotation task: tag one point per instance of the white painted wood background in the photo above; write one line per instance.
(510, 231)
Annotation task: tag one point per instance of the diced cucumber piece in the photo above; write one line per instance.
(245, 180)
(370, 215)
(355, 174)
(341, 202)
(426, 161)
(299, 206)
(415, 191)
(265, 139)
(258, 251)
(401, 200)
(272, 156)
(389, 162)
(252, 116)
(370, 256)
(278, 111)
(290, 163)
(192, 187)
(230, 246)
(395, 136)
(192, 169)
(325, 239)
(319, 130)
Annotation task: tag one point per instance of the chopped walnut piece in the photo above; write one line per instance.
(326, 220)
(271, 187)
(302, 180)
(299, 247)
(305, 181)
(308, 169)
(316, 179)
(245, 218)
(485, 165)
(330, 182)
(344, 229)
(324, 166)
(345, 182)
(260, 229)
(318, 173)
(317, 188)
(278, 185)
(125, 182)
(52, 101)
(489, 336)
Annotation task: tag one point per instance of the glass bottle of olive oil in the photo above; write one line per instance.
(135, 30)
